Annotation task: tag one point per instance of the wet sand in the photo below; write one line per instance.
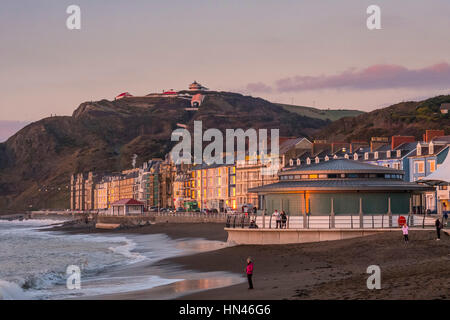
(208, 231)
(335, 269)
(324, 270)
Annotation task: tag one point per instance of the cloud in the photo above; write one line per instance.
(371, 78)
(258, 87)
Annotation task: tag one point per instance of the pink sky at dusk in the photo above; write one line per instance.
(313, 53)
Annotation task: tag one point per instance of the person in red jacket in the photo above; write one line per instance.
(249, 271)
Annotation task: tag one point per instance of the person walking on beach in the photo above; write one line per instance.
(277, 217)
(249, 272)
(405, 233)
(439, 226)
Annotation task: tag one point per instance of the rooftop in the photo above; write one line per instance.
(128, 202)
(340, 185)
(340, 166)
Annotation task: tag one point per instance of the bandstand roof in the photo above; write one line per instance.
(342, 185)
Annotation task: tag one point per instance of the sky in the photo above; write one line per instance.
(310, 52)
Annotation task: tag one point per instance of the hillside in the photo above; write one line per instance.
(323, 114)
(405, 118)
(36, 163)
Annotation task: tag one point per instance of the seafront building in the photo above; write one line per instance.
(160, 183)
(214, 186)
(341, 188)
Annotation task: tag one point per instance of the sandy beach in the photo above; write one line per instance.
(325, 270)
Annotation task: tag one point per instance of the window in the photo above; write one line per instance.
(388, 154)
(419, 167)
(399, 153)
(366, 156)
(376, 155)
(313, 176)
(431, 148)
(432, 165)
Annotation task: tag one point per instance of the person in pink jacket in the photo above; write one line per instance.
(249, 272)
(405, 231)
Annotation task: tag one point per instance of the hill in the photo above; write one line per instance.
(36, 163)
(323, 114)
(405, 118)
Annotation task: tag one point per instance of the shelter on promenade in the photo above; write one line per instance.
(342, 190)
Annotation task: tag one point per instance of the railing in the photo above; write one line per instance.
(351, 221)
(188, 214)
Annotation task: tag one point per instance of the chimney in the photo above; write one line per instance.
(377, 142)
(356, 145)
(430, 134)
(320, 145)
(398, 140)
(336, 146)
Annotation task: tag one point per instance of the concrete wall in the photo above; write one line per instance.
(265, 236)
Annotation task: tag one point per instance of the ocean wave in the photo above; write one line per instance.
(12, 291)
(127, 251)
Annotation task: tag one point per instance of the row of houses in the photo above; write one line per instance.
(161, 183)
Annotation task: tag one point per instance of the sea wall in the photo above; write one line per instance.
(286, 236)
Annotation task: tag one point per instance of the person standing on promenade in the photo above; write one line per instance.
(444, 209)
(405, 232)
(277, 217)
(283, 220)
(438, 225)
(249, 272)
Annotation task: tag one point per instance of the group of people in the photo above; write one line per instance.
(280, 218)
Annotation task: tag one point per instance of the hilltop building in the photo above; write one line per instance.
(123, 95)
(197, 100)
(445, 107)
(195, 86)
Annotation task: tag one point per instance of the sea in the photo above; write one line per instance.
(37, 264)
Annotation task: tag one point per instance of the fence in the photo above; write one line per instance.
(330, 222)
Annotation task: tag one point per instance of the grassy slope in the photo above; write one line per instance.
(329, 114)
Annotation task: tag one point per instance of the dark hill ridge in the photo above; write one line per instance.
(102, 136)
(405, 118)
